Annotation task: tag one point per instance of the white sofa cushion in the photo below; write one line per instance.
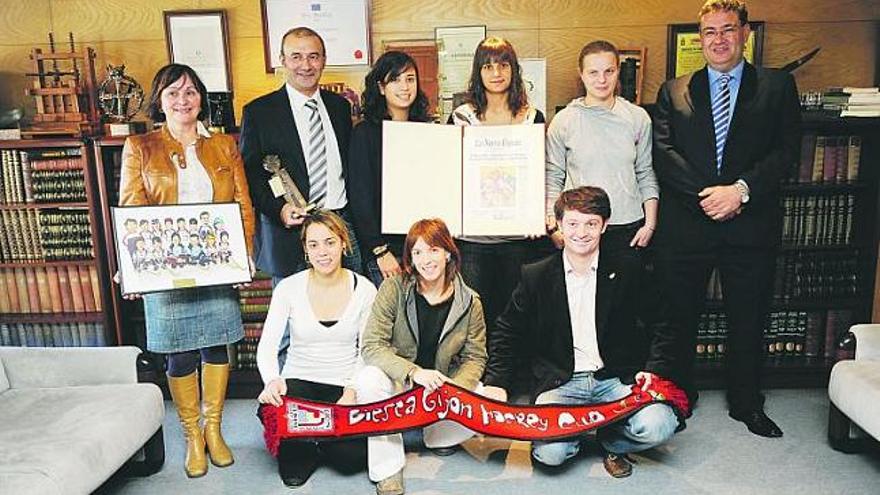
(855, 389)
(73, 438)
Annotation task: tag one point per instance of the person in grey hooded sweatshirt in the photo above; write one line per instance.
(603, 140)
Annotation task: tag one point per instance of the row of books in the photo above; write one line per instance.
(789, 334)
(816, 275)
(255, 298)
(245, 351)
(818, 220)
(828, 159)
(31, 235)
(854, 102)
(62, 289)
(48, 175)
(52, 334)
(58, 186)
(254, 301)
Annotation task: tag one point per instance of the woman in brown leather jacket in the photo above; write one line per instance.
(183, 163)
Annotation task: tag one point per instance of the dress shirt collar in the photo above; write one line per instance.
(298, 100)
(569, 269)
(734, 73)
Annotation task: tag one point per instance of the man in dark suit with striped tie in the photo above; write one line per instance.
(724, 137)
(308, 129)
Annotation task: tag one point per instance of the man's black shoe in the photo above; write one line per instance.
(758, 423)
(294, 481)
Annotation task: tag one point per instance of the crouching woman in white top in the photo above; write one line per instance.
(325, 308)
(426, 328)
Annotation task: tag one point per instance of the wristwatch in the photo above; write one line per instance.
(743, 189)
(380, 250)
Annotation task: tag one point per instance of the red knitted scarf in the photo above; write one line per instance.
(311, 420)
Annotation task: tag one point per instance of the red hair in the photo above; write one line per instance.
(435, 234)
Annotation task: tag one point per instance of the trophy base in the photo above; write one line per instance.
(125, 128)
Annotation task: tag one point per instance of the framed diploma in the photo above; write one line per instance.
(161, 248)
(684, 54)
(198, 38)
(344, 25)
(481, 180)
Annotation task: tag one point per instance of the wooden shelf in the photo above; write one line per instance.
(95, 317)
(824, 247)
(79, 205)
(785, 372)
(824, 187)
(40, 264)
(806, 304)
(41, 143)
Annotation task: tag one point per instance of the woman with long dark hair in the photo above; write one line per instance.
(391, 92)
(496, 96)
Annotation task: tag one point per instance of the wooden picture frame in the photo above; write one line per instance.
(684, 53)
(344, 25)
(640, 55)
(152, 256)
(200, 39)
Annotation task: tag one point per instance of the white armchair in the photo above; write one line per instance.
(854, 390)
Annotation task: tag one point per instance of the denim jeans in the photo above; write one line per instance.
(649, 427)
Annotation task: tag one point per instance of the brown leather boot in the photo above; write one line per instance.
(185, 393)
(214, 380)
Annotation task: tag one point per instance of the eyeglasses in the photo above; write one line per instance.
(726, 32)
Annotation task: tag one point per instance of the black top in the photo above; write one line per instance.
(364, 186)
(431, 320)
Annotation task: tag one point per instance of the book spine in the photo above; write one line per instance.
(54, 289)
(5, 305)
(33, 291)
(87, 290)
(26, 177)
(819, 159)
(14, 303)
(21, 286)
(808, 150)
(853, 158)
(96, 287)
(43, 290)
(75, 289)
(64, 285)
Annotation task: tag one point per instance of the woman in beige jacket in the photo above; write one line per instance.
(426, 328)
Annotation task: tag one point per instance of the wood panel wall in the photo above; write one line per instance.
(132, 32)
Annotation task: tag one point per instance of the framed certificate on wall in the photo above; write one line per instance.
(198, 38)
(344, 25)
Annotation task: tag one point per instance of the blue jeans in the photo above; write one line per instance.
(649, 427)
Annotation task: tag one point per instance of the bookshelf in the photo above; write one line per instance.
(53, 281)
(827, 263)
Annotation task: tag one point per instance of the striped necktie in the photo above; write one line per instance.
(721, 116)
(317, 156)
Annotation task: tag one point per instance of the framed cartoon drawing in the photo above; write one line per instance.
(161, 248)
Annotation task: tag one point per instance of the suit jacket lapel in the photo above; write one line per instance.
(289, 135)
(559, 299)
(605, 279)
(747, 89)
(698, 88)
